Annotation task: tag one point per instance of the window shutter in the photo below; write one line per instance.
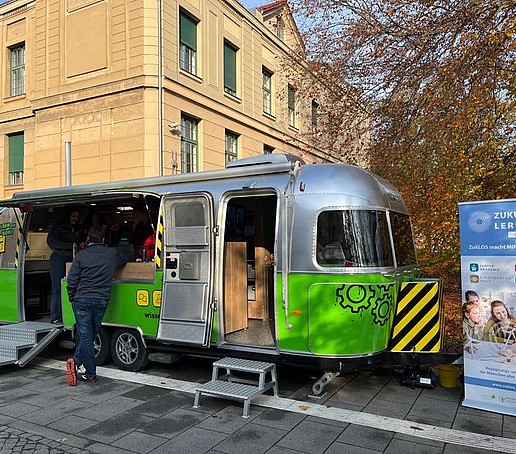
(188, 31)
(230, 67)
(16, 152)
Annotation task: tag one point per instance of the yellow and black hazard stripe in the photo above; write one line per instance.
(19, 239)
(418, 324)
(159, 240)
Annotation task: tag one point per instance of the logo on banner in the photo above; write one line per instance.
(473, 267)
(479, 221)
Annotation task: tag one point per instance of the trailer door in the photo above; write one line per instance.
(185, 315)
(11, 224)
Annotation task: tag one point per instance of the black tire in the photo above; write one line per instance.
(101, 346)
(128, 351)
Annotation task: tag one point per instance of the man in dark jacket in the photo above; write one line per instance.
(61, 239)
(89, 290)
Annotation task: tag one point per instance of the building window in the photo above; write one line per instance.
(230, 69)
(267, 90)
(291, 106)
(231, 146)
(16, 146)
(315, 107)
(17, 57)
(267, 149)
(189, 144)
(280, 28)
(187, 43)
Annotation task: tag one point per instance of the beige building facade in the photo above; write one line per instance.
(141, 88)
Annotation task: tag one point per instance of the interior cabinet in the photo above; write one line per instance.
(235, 286)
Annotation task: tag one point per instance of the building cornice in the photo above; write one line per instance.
(16, 114)
(107, 89)
(9, 9)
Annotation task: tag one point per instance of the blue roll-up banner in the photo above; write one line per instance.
(488, 265)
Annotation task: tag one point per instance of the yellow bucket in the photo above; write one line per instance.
(448, 376)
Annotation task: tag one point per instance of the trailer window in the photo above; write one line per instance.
(358, 238)
(403, 242)
(189, 214)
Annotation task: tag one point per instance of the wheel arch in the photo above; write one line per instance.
(112, 327)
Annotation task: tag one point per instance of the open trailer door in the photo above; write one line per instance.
(186, 312)
(11, 237)
(20, 340)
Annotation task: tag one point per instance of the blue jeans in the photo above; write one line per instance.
(89, 313)
(57, 272)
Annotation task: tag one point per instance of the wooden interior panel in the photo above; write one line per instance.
(235, 286)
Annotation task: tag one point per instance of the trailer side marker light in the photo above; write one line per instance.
(296, 312)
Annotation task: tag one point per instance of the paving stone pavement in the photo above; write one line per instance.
(152, 412)
(14, 440)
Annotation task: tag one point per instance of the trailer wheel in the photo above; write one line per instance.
(128, 351)
(100, 346)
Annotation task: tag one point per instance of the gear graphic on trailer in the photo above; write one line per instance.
(382, 306)
(355, 297)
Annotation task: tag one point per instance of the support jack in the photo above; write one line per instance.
(318, 388)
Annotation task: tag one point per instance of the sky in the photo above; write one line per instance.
(254, 3)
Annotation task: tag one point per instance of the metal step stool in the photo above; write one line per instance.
(232, 386)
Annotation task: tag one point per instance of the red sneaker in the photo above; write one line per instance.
(71, 372)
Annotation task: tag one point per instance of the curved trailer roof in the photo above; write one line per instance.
(340, 182)
(260, 165)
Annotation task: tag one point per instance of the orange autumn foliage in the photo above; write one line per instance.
(439, 84)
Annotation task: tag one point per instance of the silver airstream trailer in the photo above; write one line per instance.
(310, 265)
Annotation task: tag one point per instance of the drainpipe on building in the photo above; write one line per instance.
(68, 163)
(160, 87)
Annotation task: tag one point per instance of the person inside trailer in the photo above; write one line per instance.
(64, 239)
(144, 236)
(92, 218)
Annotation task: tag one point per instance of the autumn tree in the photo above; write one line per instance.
(438, 78)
